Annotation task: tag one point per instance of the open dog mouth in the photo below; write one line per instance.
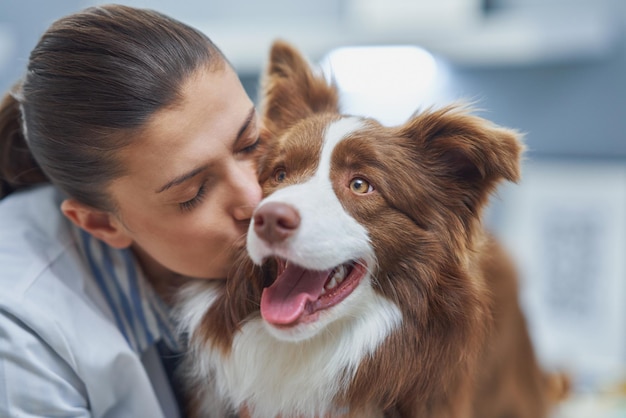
(298, 295)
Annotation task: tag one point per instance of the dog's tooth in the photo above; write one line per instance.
(340, 273)
(323, 292)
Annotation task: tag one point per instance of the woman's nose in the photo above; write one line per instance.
(246, 191)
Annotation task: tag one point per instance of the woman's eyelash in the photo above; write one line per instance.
(252, 147)
(194, 201)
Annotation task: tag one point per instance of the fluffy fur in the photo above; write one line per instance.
(426, 322)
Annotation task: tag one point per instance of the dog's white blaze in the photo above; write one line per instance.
(328, 235)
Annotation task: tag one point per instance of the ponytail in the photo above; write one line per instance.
(18, 168)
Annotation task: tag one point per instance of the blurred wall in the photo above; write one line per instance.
(573, 108)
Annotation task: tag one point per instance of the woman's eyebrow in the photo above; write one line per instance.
(182, 178)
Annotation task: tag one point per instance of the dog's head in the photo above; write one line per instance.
(351, 205)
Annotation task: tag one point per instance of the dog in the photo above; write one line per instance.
(369, 287)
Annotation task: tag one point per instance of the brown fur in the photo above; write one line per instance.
(463, 349)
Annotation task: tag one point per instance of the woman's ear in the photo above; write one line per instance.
(102, 225)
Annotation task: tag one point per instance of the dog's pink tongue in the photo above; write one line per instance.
(285, 300)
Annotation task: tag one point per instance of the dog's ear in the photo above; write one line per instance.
(469, 154)
(291, 91)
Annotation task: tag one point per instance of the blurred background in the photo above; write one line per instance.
(552, 69)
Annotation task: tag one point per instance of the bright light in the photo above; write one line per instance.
(385, 82)
(381, 68)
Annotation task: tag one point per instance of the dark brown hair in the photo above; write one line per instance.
(92, 82)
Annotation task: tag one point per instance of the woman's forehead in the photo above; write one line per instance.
(209, 99)
(202, 126)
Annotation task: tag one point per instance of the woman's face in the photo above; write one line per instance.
(191, 184)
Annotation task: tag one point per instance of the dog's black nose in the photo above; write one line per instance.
(275, 222)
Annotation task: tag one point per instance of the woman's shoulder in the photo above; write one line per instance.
(44, 278)
(33, 236)
(26, 203)
(47, 286)
(32, 214)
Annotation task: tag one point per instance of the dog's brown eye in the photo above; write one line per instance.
(280, 174)
(360, 186)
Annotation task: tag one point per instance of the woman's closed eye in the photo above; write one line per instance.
(196, 200)
(252, 147)
(201, 193)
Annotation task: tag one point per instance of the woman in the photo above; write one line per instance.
(149, 141)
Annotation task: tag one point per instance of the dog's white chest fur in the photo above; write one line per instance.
(276, 377)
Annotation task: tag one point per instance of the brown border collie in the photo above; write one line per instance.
(369, 287)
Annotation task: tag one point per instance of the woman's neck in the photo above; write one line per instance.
(164, 281)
